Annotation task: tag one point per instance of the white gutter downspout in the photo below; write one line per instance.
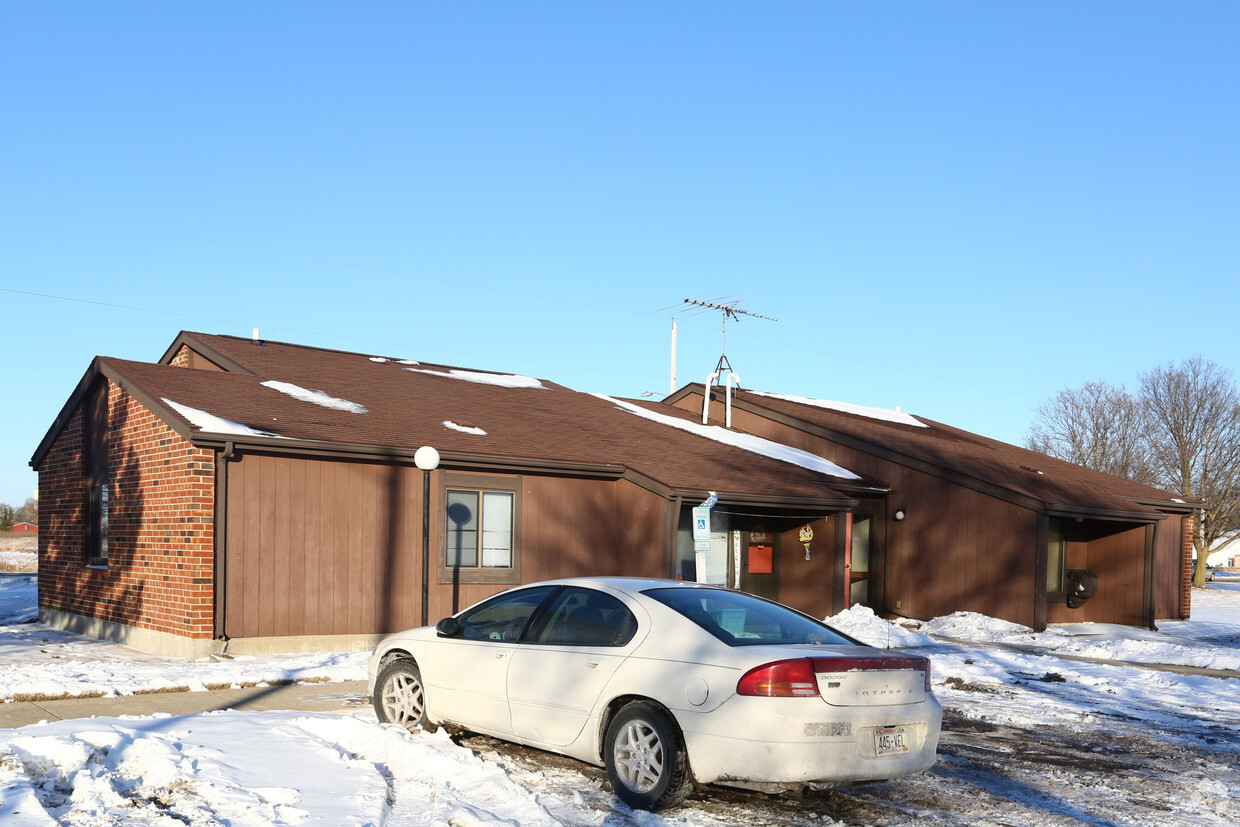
(727, 419)
(706, 397)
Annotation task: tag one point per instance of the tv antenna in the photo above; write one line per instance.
(729, 310)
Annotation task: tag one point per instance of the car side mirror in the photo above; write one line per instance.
(448, 627)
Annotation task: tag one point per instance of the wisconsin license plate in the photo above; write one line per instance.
(891, 740)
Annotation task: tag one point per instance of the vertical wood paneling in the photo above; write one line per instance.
(297, 515)
(314, 548)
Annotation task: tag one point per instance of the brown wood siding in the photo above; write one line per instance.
(1169, 557)
(321, 548)
(1116, 553)
(956, 550)
(318, 547)
(808, 586)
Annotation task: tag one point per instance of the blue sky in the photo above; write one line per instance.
(956, 208)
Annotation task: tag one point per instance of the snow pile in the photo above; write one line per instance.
(251, 769)
(319, 398)
(982, 629)
(1101, 640)
(861, 623)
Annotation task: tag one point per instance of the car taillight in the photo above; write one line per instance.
(780, 679)
(883, 663)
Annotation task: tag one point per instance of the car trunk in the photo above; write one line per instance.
(872, 680)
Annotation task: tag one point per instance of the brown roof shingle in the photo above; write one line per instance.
(407, 405)
(1057, 484)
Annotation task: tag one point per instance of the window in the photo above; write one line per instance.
(739, 619)
(505, 617)
(584, 617)
(97, 513)
(1055, 556)
(480, 529)
(96, 472)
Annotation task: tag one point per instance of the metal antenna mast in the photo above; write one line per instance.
(732, 310)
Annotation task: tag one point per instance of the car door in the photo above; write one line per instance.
(557, 675)
(466, 674)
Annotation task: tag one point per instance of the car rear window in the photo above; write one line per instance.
(740, 619)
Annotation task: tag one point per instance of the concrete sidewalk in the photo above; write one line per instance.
(341, 696)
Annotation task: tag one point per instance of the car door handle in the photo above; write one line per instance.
(592, 664)
(500, 655)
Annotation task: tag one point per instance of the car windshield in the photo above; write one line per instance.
(740, 619)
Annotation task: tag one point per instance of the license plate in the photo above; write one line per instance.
(892, 740)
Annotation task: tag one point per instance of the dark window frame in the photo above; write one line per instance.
(98, 515)
(97, 495)
(480, 484)
(1057, 533)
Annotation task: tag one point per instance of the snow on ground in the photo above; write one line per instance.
(1033, 736)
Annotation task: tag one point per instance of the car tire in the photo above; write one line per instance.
(400, 696)
(646, 760)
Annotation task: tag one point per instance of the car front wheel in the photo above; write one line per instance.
(645, 758)
(399, 695)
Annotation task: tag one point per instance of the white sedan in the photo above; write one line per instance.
(665, 683)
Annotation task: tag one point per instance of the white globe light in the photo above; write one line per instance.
(426, 458)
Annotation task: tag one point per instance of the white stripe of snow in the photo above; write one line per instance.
(503, 380)
(315, 397)
(212, 424)
(447, 423)
(746, 442)
(884, 414)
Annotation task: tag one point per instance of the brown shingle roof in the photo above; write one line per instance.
(1056, 484)
(406, 406)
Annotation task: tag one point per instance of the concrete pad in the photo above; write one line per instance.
(342, 697)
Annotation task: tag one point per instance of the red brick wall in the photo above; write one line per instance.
(159, 574)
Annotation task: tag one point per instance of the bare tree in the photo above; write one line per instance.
(1098, 425)
(28, 513)
(1194, 410)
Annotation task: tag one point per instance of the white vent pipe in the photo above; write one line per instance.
(706, 397)
(727, 419)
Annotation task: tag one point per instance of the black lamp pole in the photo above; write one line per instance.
(426, 458)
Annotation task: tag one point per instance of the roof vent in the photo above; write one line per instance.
(256, 337)
(1031, 469)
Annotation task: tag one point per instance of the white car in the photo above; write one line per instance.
(665, 683)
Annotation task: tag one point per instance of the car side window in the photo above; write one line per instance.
(503, 618)
(585, 617)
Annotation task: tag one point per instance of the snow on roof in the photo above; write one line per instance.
(503, 380)
(844, 407)
(746, 442)
(381, 359)
(210, 423)
(465, 429)
(315, 397)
